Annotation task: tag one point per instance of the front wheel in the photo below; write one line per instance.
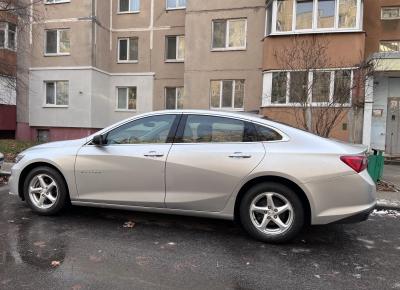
(45, 191)
(272, 212)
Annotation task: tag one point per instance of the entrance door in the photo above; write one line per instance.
(393, 127)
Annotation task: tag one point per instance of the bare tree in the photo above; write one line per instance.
(319, 98)
(20, 14)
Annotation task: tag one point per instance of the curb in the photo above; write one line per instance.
(383, 205)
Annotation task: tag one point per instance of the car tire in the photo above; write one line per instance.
(45, 191)
(267, 220)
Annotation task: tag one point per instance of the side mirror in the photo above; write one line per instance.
(98, 140)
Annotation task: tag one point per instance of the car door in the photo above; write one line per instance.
(130, 168)
(209, 158)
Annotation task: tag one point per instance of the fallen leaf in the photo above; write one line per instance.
(55, 264)
(94, 259)
(129, 224)
(39, 244)
(76, 287)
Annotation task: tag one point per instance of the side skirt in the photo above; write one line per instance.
(202, 214)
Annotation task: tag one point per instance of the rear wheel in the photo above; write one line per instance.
(272, 212)
(45, 191)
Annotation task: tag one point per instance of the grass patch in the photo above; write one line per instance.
(11, 148)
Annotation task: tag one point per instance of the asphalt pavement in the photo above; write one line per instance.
(87, 248)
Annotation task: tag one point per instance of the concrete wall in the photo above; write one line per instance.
(376, 28)
(203, 65)
(92, 98)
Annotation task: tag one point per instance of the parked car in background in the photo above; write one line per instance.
(272, 178)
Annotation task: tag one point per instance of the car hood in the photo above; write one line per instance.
(58, 144)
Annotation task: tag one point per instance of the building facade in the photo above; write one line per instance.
(8, 68)
(312, 50)
(302, 62)
(95, 62)
(382, 106)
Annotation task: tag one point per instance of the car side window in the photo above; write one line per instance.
(267, 134)
(205, 129)
(147, 130)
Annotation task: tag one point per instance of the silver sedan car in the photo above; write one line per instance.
(272, 178)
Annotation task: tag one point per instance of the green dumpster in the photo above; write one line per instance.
(375, 165)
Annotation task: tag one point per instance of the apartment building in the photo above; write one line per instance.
(95, 62)
(382, 104)
(8, 61)
(299, 79)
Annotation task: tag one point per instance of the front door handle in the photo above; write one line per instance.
(153, 154)
(240, 155)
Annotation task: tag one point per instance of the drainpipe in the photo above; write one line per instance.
(369, 100)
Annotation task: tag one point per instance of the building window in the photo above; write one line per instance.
(128, 49)
(389, 13)
(42, 135)
(57, 93)
(227, 94)
(8, 35)
(126, 98)
(128, 6)
(229, 34)
(333, 87)
(175, 48)
(56, 1)
(279, 85)
(307, 16)
(174, 98)
(389, 46)
(176, 4)
(58, 42)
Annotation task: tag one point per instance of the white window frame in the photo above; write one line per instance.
(390, 18)
(127, 99)
(6, 40)
(177, 40)
(314, 28)
(58, 53)
(46, 105)
(176, 96)
(220, 108)
(177, 7)
(129, 9)
(386, 41)
(128, 52)
(227, 48)
(267, 101)
(51, 2)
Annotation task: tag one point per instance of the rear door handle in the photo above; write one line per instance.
(240, 155)
(153, 154)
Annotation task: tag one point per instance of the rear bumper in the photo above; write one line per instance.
(346, 198)
(356, 218)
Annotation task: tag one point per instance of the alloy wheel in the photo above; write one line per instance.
(271, 213)
(43, 191)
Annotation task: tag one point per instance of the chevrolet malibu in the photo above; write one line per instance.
(272, 178)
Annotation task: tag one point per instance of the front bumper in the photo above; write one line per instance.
(13, 181)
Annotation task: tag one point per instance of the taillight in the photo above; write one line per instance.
(358, 163)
